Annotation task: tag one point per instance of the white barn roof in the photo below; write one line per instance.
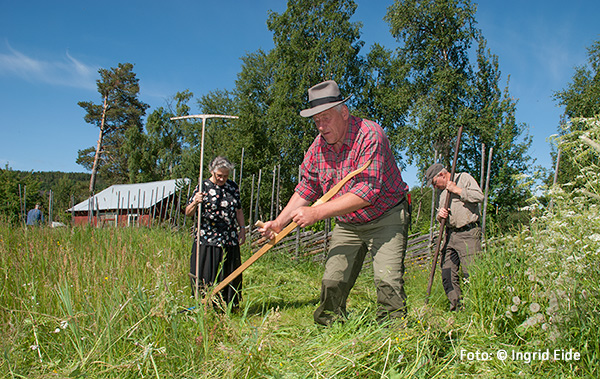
(132, 196)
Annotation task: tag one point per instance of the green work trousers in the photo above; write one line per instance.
(386, 239)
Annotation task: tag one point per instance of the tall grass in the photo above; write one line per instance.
(115, 303)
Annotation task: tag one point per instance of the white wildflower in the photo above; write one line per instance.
(400, 357)
(595, 237)
(534, 307)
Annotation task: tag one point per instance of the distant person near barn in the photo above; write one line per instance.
(35, 217)
(463, 228)
(220, 239)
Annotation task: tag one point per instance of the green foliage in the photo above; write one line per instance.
(119, 119)
(421, 209)
(419, 93)
(540, 280)
(314, 41)
(581, 100)
(581, 148)
(19, 192)
(386, 94)
(442, 89)
(435, 37)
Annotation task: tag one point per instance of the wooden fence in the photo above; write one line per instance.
(314, 244)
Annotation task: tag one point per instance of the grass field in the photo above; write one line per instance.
(113, 303)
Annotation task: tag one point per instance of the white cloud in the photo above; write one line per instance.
(67, 72)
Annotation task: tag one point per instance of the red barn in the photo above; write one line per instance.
(133, 204)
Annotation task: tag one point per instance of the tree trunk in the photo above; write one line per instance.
(98, 148)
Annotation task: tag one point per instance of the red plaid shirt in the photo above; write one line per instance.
(380, 184)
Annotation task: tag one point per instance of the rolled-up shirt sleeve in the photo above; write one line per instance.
(471, 193)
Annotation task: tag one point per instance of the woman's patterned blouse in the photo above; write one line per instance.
(219, 223)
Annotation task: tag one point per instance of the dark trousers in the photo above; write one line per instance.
(457, 255)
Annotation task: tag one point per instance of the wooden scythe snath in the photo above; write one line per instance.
(203, 117)
(279, 236)
(443, 221)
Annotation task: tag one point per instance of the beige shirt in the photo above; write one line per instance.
(464, 209)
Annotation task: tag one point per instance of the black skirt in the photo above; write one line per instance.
(212, 271)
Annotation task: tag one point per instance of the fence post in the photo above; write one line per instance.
(278, 186)
(256, 216)
(556, 167)
(152, 197)
(50, 200)
(128, 205)
(298, 228)
(241, 171)
(485, 198)
(482, 171)
(21, 212)
(144, 208)
(250, 224)
(433, 202)
(118, 208)
(162, 201)
(138, 207)
(273, 192)
(186, 200)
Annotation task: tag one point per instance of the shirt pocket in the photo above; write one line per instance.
(328, 179)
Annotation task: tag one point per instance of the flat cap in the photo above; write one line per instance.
(432, 171)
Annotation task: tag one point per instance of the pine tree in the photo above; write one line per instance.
(119, 118)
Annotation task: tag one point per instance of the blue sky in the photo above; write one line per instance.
(50, 53)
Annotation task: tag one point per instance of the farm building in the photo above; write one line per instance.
(133, 204)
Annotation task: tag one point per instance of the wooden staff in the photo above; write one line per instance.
(279, 236)
(443, 221)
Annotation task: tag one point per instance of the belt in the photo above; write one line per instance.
(465, 228)
(404, 198)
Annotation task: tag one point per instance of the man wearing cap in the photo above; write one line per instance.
(463, 231)
(371, 209)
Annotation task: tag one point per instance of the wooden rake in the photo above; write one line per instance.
(282, 234)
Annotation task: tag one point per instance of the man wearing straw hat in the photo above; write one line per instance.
(371, 209)
(463, 231)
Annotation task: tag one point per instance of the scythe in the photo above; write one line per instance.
(284, 232)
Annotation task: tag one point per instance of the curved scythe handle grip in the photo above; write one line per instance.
(284, 232)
